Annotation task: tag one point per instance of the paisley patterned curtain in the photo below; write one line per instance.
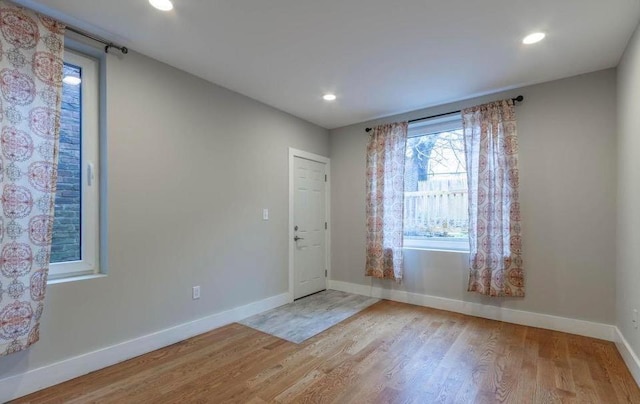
(31, 51)
(491, 150)
(385, 200)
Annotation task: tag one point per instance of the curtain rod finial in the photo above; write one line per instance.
(122, 49)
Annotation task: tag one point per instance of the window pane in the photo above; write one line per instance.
(67, 222)
(436, 204)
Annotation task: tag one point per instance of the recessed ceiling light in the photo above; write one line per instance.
(163, 5)
(533, 38)
(74, 81)
(329, 97)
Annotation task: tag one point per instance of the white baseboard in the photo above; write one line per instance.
(629, 356)
(33, 380)
(568, 325)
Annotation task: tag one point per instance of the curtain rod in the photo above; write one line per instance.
(107, 44)
(516, 99)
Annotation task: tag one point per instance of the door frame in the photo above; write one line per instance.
(293, 153)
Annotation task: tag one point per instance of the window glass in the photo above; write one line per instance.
(436, 195)
(66, 244)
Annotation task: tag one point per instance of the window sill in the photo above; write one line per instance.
(75, 278)
(434, 244)
(435, 250)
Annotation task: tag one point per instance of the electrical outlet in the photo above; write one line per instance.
(265, 214)
(634, 320)
(195, 292)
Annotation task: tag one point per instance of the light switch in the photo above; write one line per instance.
(265, 214)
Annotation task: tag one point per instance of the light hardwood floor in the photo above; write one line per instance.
(388, 353)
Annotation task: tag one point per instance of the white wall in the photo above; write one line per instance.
(567, 136)
(628, 265)
(190, 167)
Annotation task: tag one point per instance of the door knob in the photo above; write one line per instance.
(296, 238)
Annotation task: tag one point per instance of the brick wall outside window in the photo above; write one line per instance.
(66, 227)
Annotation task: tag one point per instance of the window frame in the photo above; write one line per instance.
(424, 128)
(89, 262)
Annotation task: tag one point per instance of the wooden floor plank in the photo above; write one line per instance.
(388, 353)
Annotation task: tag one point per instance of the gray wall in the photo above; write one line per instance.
(628, 265)
(567, 142)
(190, 167)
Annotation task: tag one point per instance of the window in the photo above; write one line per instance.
(435, 200)
(74, 249)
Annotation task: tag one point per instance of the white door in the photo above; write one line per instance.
(309, 220)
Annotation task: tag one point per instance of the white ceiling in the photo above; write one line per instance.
(380, 57)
